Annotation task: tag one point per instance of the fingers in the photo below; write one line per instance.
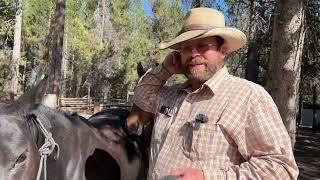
(173, 59)
(177, 61)
(188, 174)
(172, 63)
(176, 56)
(178, 172)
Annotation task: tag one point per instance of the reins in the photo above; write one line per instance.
(46, 149)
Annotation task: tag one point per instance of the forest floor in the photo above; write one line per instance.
(307, 154)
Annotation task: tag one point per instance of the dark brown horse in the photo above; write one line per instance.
(140, 123)
(86, 150)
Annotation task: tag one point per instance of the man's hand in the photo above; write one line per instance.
(172, 63)
(188, 174)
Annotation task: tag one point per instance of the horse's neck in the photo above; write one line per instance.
(4, 107)
(43, 114)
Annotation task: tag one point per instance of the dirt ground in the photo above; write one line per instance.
(307, 154)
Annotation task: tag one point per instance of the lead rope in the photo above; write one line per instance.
(46, 149)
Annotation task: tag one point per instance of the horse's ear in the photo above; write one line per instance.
(29, 100)
(140, 69)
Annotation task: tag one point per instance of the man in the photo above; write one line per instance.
(215, 125)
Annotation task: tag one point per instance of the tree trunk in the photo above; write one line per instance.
(103, 21)
(64, 68)
(16, 48)
(252, 65)
(285, 60)
(55, 53)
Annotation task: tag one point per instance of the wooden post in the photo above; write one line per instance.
(314, 108)
(96, 107)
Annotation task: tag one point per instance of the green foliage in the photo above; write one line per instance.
(81, 10)
(37, 15)
(167, 20)
(166, 24)
(78, 28)
(217, 4)
(120, 14)
(138, 42)
(5, 74)
(80, 39)
(7, 16)
(311, 53)
(104, 73)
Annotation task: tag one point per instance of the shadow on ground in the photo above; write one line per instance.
(307, 154)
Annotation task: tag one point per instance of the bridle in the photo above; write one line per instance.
(38, 130)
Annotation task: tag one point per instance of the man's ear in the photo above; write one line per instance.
(224, 49)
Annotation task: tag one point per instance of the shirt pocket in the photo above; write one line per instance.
(206, 141)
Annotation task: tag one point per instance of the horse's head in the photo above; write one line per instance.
(126, 149)
(19, 157)
(140, 123)
(138, 118)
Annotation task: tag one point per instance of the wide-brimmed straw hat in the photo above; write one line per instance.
(206, 22)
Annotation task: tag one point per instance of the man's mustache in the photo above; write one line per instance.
(195, 61)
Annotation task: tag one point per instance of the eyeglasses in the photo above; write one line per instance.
(201, 48)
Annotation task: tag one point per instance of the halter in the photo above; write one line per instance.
(48, 146)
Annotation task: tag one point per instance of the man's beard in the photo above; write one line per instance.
(201, 76)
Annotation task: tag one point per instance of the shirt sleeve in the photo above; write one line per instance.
(264, 144)
(148, 88)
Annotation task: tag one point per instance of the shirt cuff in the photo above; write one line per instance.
(160, 72)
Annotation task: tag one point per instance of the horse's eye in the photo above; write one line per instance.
(21, 158)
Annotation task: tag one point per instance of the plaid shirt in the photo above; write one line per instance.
(244, 137)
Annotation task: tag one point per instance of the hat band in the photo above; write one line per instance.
(192, 27)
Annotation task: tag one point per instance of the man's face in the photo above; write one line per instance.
(202, 58)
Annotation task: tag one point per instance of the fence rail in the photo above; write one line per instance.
(91, 105)
(77, 105)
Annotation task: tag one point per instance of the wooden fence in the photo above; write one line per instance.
(77, 105)
(89, 105)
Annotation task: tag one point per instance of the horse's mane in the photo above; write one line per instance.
(114, 118)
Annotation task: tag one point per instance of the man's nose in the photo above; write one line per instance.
(194, 52)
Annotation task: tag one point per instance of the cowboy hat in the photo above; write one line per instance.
(206, 22)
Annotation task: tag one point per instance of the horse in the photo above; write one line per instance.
(140, 123)
(134, 124)
(115, 119)
(37, 142)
